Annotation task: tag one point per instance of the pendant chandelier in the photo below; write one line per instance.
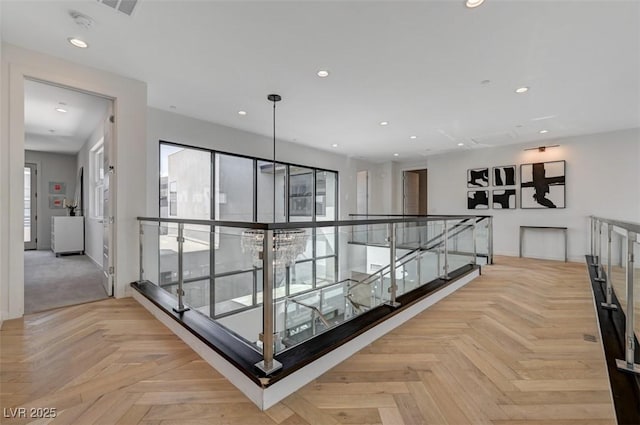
(287, 243)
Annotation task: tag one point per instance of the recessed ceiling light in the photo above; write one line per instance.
(521, 90)
(323, 73)
(461, 144)
(52, 131)
(242, 112)
(396, 154)
(485, 82)
(413, 137)
(335, 145)
(61, 110)
(384, 123)
(473, 3)
(77, 42)
(544, 131)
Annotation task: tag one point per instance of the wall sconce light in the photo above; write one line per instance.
(541, 148)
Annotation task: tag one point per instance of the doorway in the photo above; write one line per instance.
(414, 192)
(67, 198)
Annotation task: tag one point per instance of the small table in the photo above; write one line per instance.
(562, 229)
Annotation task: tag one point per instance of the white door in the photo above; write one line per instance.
(108, 220)
(30, 216)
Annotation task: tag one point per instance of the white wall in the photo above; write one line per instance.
(602, 178)
(130, 100)
(52, 167)
(93, 229)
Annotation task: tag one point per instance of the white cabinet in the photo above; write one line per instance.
(67, 234)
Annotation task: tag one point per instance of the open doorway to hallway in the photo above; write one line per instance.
(414, 192)
(66, 205)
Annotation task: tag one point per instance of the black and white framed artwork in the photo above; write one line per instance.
(504, 175)
(478, 199)
(504, 199)
(542, 185)
(478, 177)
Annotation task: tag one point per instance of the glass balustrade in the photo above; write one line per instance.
(614, 249)
(318, 275)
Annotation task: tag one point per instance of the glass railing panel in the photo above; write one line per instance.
(371, 234)
(301, 277)
(298, 325)
(229, 252)
(195, 268)
(307, 253)
(382, 287)
(365, 296)
(168, 249)
(435, 245)
(352, 256)
(461, 251)
(325, 241)
(196, 251)
(333, 303)
(234, 292)
(618, 266)
(408, 235)
(482, 236)
(150, 240)
(430, 267)
(325, 271)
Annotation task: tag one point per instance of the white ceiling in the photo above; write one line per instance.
(417, 65)
(51, 131)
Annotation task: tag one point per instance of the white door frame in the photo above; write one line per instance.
(17, 76)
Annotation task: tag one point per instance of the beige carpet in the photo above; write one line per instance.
(51, 281)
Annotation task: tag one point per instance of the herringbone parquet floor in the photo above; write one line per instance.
(508, 348)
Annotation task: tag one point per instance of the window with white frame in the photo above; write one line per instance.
(96, 166)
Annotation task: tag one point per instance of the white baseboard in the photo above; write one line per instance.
(264, 398)
(93, 260)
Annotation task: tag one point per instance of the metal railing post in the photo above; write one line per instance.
(446, 251)
(599, 267)
(181, 307)
(393, 288)
(490, 239)
(141, 241)
(609, 291)
(268, 364)
(475, 248)
(595, 262)
(628, 364)
(591, 238)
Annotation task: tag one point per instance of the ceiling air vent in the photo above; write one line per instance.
(124, 6)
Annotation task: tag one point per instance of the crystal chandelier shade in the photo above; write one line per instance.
(287, 245)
